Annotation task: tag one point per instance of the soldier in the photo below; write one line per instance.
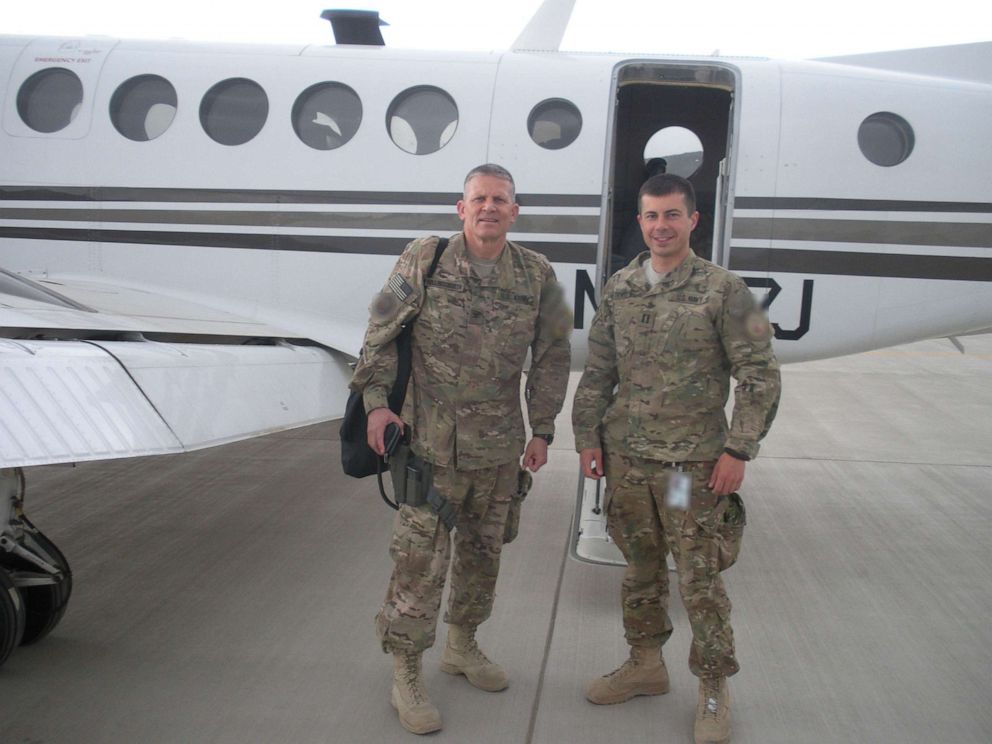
(488, 301)
(649, 414)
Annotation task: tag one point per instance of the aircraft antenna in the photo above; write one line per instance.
(546, 28)
(356, 26)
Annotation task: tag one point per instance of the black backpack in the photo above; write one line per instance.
(357, 458)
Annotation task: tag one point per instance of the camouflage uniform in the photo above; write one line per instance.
(470, 341)
(652, 396)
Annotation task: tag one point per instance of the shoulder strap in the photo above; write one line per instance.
(442, 244)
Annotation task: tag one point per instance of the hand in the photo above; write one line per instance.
(536, 454)
(728, 475)
(591, 461)
(379, 419)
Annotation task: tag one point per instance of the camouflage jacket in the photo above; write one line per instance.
(660, 359)
(470, 341)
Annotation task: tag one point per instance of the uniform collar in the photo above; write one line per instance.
(503, 275)
(675, 279)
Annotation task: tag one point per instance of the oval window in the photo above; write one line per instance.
(234, 111)
(886, 139)
(327, 115)
(50, 99)
(143, 107)
(675, 150)
(422, 120)
(554, 123)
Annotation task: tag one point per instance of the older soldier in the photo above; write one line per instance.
(488, 301)
(670, 331)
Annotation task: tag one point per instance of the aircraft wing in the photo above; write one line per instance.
(68, 395)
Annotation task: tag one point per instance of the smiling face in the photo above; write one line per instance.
(487, 211)
(666, 225)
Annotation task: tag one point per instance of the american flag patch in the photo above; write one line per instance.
(400, 287)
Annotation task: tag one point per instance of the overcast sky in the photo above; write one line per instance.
(769, 28)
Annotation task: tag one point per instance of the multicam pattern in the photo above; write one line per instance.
(672, 349)
(645, 529)
(471, 335)
(421, 547)
(653, 392)
(470, 341)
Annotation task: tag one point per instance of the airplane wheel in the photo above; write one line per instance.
(45, 605)
(11, 616)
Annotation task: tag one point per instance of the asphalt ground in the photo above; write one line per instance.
(227, 595)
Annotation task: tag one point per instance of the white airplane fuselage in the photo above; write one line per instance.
(854, 255)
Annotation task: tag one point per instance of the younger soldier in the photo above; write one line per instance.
(487, 303)
(649, 414)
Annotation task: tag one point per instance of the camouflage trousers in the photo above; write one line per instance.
(421, 547)
(645, 529)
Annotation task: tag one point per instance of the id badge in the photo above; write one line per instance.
(679, 490)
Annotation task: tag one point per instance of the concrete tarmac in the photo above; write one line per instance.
(226, 596)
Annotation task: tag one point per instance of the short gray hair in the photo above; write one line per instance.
(496, 171)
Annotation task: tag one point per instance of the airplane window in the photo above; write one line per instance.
(234, 111)
(50, 99)
(143, 107)
(886, 139)
(327, 115)
(674, 150)
(422, 120)
(554, 123)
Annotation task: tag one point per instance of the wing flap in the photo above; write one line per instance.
(68, 401)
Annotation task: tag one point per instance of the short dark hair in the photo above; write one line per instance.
(496, 171)
(668, 183)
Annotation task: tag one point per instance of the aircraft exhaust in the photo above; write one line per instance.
(356, 26)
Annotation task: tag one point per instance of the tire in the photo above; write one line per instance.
(12, 616)
(45, 605)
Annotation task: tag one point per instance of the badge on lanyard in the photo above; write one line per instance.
(679, 490)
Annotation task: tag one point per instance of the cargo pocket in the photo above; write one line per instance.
(730, 532)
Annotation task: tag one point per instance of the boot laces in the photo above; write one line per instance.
(473, 651)
(624, 669)
(411, 676)
(711, 698)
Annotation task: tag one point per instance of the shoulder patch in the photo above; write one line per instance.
(384, 306)
(757, 327)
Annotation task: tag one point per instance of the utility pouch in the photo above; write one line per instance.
(731, 531)
(413, 484)
(524, 482)
(411, 475)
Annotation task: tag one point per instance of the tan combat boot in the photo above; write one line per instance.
(644, 673)
(417, 713)
(713, 712)
(462, 655)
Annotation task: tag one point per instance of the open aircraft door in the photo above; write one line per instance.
(674, 118)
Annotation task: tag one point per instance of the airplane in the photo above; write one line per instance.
(190, 233)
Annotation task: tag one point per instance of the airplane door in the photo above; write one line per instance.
(669, 118)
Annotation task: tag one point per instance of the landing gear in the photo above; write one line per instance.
(11, 616)
(33, 572)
